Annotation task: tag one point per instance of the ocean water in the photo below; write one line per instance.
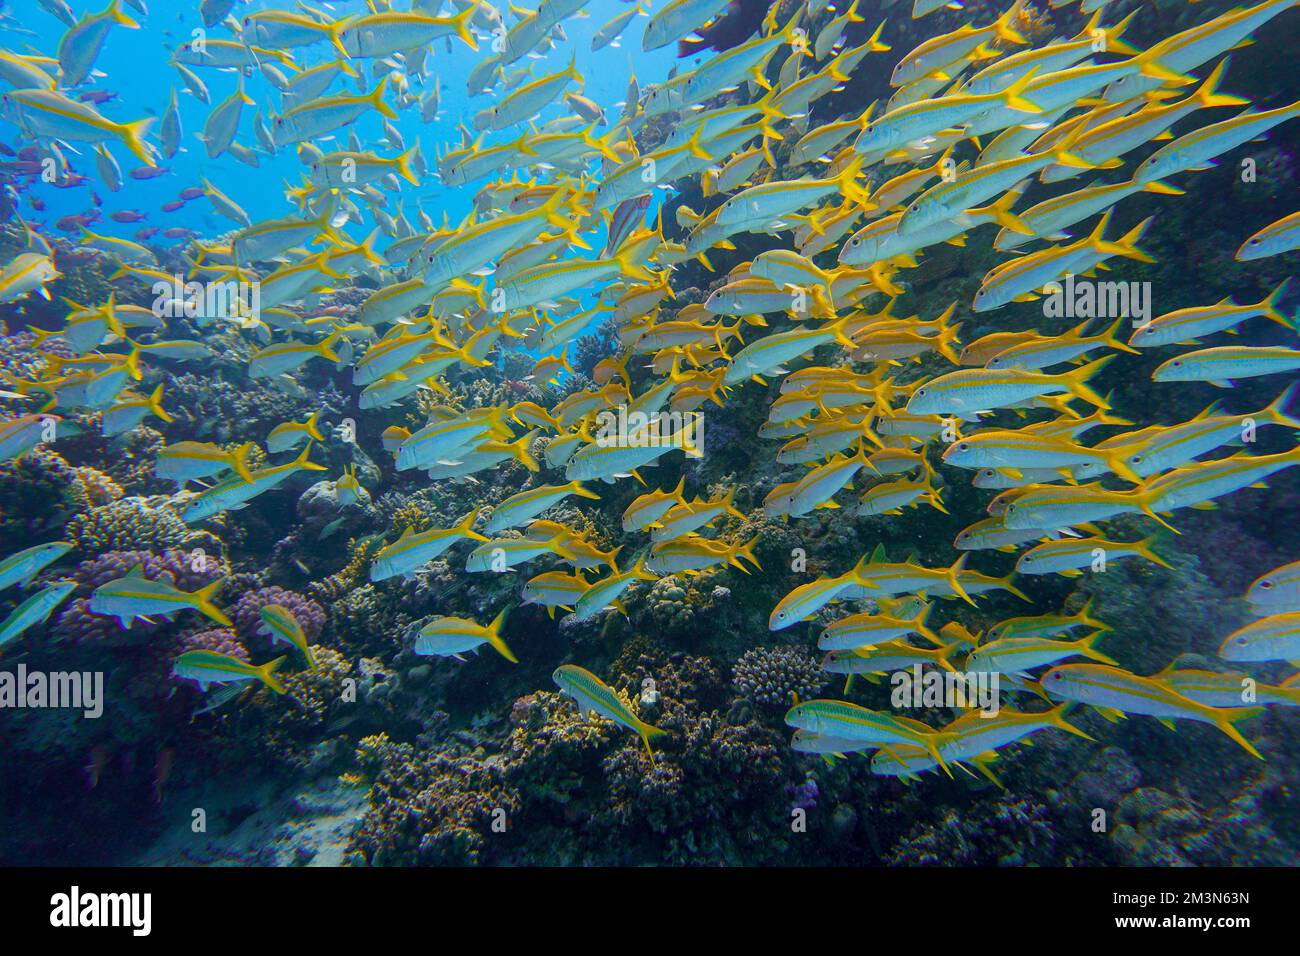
(368, 565)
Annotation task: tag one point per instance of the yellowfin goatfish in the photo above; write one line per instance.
(412, 550)
(135, 596)
(235, 492)
(1114, 692)
(35, 610)
(20, 568)
(279, 623)
(454, 636)
(592, 693)
(212, 667)
(187, 461)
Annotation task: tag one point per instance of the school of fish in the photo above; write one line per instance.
(567, 230)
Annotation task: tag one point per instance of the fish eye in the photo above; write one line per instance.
(1136, 459)
(920, 391)
(1242, 641)
(1266, 584)
(962, 446)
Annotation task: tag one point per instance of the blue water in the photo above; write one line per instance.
(469, 737)
(136, 64)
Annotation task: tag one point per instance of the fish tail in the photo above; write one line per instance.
(335, 33)
(302, 462)
(875, 44)
(920, 626)
(709, 183)
(838, 329)
(466, 527)
(1144, 548)
(576, 488)
(1085, 617)
(1207, 96)
(849, 187)
(1014, 98)
(132, 135)
(1110, 36)
(695, 149)
(1117, 461)
(239, 461)
(631, 268)
(266, 674)
(856, 572)
(1108, 338)
(494, 638)
(1001, 212)
(402, 165)
(376, 99)
(1056, 717)
(598, 144)
(728, 504)
(550, 210)
(1162, 189)
(821, 297)
(954, 579)
(203, 602)
(947, 337)
(1144, 499)
(1149, 65)
(1087, 647)
(1226, 720)
(325, 347)
(155, 405)
(646, 732)
(1005, 31)
(1126, 245)
(1078, 382)
(1277, 408)
(521, 452)
(746, 551)
(1006, 585)
(118, 16)
(1270, 309)
(460, 23)
(932, 747)
(312, 427)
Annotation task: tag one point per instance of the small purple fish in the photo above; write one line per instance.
(627, 216)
